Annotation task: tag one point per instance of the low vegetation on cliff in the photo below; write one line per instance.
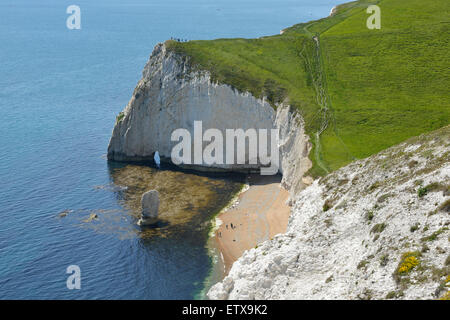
(378, 238)
(359, 90)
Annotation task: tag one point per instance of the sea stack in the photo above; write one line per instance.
(150, 206)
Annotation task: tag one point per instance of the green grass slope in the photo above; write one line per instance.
(359, 90)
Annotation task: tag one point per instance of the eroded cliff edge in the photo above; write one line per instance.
(171, 95)
(375, 229)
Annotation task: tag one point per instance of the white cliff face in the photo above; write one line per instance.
(169, 96)
(294, 149)
(347, 232)
(350, 234)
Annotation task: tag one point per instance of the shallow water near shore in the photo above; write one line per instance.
(61, 202)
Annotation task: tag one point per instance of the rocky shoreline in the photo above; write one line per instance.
(347, 237)
(171, 96)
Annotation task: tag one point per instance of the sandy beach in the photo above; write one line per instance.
(260, 214)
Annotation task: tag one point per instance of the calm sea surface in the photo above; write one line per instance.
(60, 91)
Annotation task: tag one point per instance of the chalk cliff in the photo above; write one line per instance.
(171, 96)
(375, 229)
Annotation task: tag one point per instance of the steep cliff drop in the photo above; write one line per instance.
(375, 229)
(171, 96)
(352, 234)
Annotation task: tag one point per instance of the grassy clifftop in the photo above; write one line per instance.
(359, 90)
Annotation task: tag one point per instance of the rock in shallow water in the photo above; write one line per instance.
(150, 207)
(92, 217)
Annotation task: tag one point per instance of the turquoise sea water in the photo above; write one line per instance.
(60, 91)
